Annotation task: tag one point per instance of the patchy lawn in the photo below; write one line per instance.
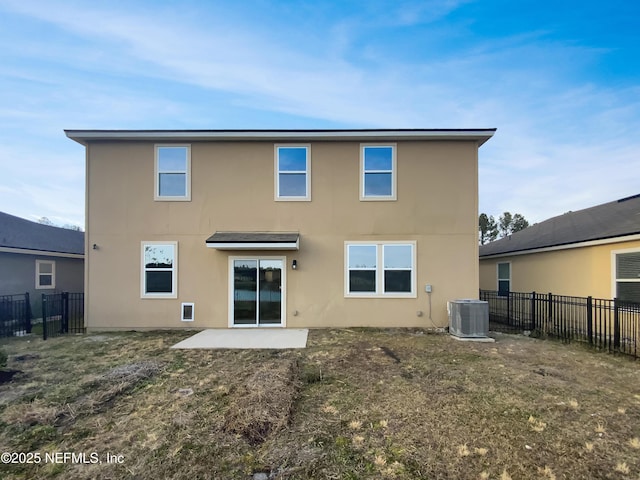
(356, 403)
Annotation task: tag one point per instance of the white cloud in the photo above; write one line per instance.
(561, 143)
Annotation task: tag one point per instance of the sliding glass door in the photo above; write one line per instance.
(257, 292)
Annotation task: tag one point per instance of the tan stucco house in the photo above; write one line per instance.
(286, 228)
(592, 252)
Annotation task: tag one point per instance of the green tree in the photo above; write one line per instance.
(518, 223)
(68, 226)
(504, 224)
(508, 224)
(487, 228)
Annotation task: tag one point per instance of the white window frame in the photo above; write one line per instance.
(380, 293)
(166, 198)
(498, 279)
(173, 269)
(39, 274)
(614, 269)
(393, 171)
(307, 172)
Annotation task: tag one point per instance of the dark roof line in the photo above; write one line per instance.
(284, 130)
(19, 233)
(542, 247)
(629, 198)
(616, 219)
(460, 134)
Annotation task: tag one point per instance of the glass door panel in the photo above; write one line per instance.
(245, 286)
(257, 292)
(270, 283)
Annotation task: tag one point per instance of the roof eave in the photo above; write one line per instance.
(44, 253)
(565, 246)
(478, 135)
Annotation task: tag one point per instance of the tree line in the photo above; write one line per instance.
(490, 230)
(68, 226)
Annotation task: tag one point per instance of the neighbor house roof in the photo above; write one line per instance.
(599, 224)
(480, 135)
(23, 236)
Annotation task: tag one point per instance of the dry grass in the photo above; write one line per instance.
(264, 402)
(355, 404)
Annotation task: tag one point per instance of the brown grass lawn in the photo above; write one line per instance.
(356, 403)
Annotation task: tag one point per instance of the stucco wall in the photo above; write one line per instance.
(582, 272)
(233, 190)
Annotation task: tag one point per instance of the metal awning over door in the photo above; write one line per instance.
(254, 241)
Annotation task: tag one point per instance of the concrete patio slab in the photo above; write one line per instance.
(247, 338)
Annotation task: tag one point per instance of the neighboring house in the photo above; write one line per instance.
(295, 228)
(37, 259)
(592, 252)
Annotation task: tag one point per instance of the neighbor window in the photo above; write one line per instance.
(173, 172)
(628, 276)
(45, 274)
(378, 172)
(380, 269)
(159, 269)
(504, 278)
(293, 172)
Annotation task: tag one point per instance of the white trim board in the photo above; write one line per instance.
(41, 253)
(256, 246)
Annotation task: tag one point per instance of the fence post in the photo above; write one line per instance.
(549, 311)
(44, 316)
(27, 313)
(590, 319)
(533, 310)
(616, 324)
(64, 324)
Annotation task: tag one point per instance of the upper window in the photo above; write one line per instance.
(628, 276)
(159, 269)
(378, 172)
(173, 172)
(45, 274)
(504, 278)
(380, 269)
(293, 172)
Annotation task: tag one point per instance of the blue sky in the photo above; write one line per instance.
(559, 80)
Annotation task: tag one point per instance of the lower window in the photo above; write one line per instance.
(45, 274)
(380, 269)
(628, 276)
(159, 269)
(504, 278)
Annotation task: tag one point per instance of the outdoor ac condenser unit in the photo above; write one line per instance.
(468, 318)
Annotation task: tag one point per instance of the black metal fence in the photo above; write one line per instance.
(15, 315)
(62, 313)
(612, 325)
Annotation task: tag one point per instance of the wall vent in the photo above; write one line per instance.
(187, 312)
